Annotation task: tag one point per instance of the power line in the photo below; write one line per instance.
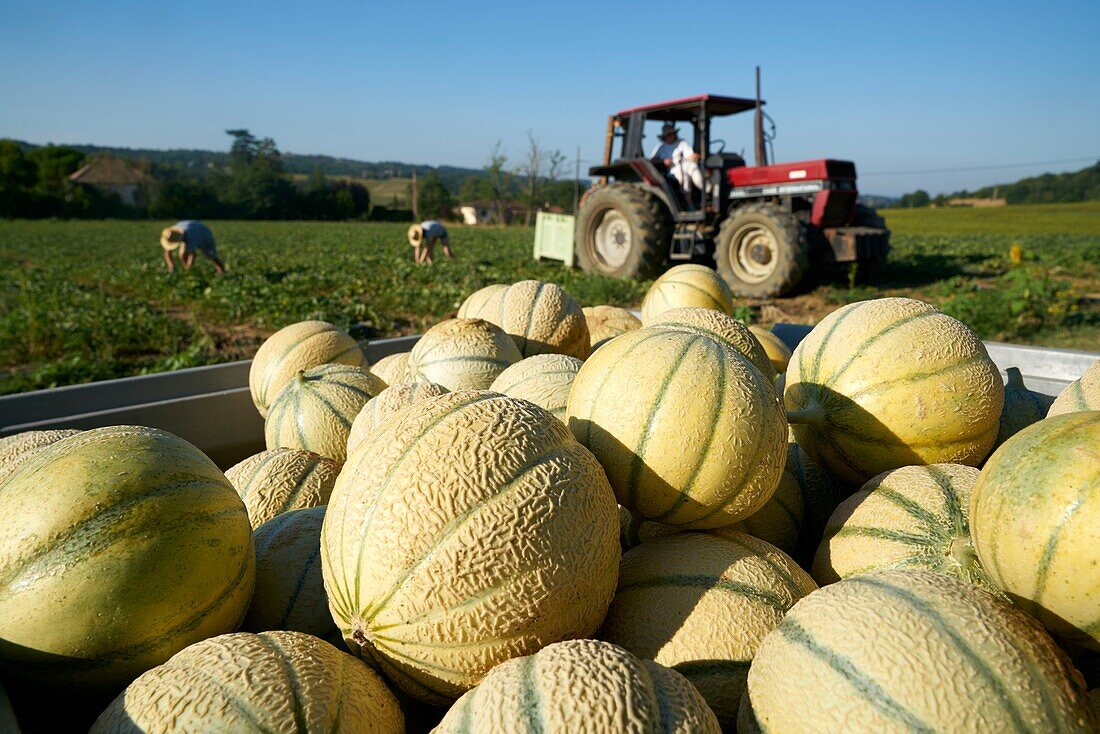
(978, 168)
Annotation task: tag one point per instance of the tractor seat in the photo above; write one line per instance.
(723, 161)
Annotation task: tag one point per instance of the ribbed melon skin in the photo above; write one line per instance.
(314, 412)
(392, 369)
(16, 449)
(540, 317)
(913, 517)
(290, 590)
(1035, 520)
(280, 480)
(892, 382)
(1081, 395)
(120, 547)
(296, 348)
(821, 493)
(483, 303)
(512, 545)
(912, 651)
(777, 350)
(686, 286)
(268, 682)
(721, 327)
(580, 686)
(462, 354)
(544, 379)
(779, 521)
(689, 432)
(606, 322)
(1022, 407)
(700, 603)
(390, 400)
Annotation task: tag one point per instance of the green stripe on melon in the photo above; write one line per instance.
(462, 354)
(912, 651)
(544, 379)
(1081, 395)
(121, 546)
(280, 480)
(686, 286)
(720, 327)
(581, 686)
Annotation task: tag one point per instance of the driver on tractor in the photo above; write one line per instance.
(680, 160)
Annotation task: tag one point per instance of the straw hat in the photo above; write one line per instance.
(416, 235)
(170, 238)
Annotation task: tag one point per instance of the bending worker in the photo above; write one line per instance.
(186, 238)
(423, 237)
(678, 157)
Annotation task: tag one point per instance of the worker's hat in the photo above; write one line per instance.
(170, 238)
(669, 128)
(416, 235)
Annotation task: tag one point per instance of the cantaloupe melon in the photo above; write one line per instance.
(315, 410)
(540, 317)
(8, 722)
(280, 480)
(469, 529)
(17, 448)
(290, 590)
(689, 432)
(912, 651)
(462, 354)
(777, 350)
(821, 494)
(544, 379)
(1082, 394)
(1035, 520)
(120, 547)
(296, 348)
(892, 382)
(912, 517)
(580, 686)
(721, 327)
(700, 603)
(392, 369)
(605, 322)
(391, 399)
(1022, 407)
(686, 286)
(779, 521)
(270, 682)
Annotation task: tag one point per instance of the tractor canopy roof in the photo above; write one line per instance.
(687, 108)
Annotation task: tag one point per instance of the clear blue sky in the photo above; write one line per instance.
(894, 86)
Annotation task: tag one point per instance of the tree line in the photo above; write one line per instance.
(1049, 188)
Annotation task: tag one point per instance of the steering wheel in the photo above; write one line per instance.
(720, 142)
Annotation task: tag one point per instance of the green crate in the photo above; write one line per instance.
(554, 237)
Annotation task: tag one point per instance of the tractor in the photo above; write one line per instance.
(761, 226)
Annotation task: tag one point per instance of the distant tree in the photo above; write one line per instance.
(55, 163)
(18, 175)
(434, 199)
(257, 187)
(918, 198)
(475, 188)
(500, 180)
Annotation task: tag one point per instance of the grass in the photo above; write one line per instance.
(84, 301)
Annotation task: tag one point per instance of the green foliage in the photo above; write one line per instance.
(915, 200)
(434, 200)
(1083, 185)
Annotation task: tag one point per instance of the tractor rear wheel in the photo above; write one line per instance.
(622, 231)
(762, 251)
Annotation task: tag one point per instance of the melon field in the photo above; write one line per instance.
(86, 300)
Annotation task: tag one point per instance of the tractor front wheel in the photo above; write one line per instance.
(762, 251)
(622, 231)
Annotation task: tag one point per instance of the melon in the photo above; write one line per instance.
(391, 399)
(686, 286)
(606, 322)
(315, 410)
(1082, 394)
(1035, 519)
(1022, 407)
(280, 480)
(290, 590)
(468, 529)
(892, 382)
(243, 682)
(720, 327)
(675, 592)
(912, 517)
(821, 494)
(120, 547)
(544, 379)
(296, 348)
(779, 521)
(912, 651)
(581, 686)
(540, 317)
(462, 354)
(392, 369)
(689, 432)
(776, 349)
(17, 448)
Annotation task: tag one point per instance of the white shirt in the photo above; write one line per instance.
(679, 152)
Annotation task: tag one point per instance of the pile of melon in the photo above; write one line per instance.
(552, 519)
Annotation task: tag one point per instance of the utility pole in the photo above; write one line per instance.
(415, 199)
(761, 154)
(577, 182)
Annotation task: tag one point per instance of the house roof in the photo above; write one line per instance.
(109, 171)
